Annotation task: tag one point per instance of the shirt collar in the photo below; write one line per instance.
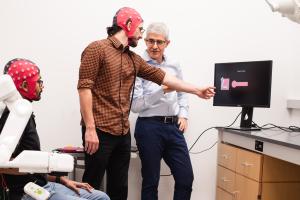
(147, 58)
(117, 44)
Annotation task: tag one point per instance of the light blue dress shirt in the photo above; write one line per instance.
(149, 98)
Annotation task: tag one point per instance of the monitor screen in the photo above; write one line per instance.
(245, 84)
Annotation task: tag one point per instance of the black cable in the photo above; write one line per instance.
(212, 128)
(166, 174)
(234, 120)
(205, 149)
(199, 138)
(272, 126)
(295, 128)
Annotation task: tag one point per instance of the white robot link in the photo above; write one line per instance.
(27, 161)
(288, 8)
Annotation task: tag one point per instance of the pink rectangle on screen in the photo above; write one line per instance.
(225, 83)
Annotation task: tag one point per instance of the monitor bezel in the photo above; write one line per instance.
(247, 105)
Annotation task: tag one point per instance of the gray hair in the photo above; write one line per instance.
(158, 28)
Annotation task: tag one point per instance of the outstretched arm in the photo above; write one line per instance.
(141, 100)
(181, 86)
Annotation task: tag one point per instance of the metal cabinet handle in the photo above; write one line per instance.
(225, 180)
(247, 164)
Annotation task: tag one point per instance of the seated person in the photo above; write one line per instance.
(27, 79)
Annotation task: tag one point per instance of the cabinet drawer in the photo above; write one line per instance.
(249, 164)
(223, 195)
(246, 189)
(227, 156)
(226, 179)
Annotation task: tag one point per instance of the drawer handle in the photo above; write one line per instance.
(247, 164)
(225, 180)
(225, 156)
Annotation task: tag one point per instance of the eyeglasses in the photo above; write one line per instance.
(142, 30)
(40, 82)
(158, 42)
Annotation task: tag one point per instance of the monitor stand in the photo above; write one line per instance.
(246, 121)
(243, 129)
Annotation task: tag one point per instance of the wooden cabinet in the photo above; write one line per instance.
(247, 175)
(223, 195)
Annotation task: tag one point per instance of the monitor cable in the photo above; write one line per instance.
(208, 147)
(272, 126)
(212, 128)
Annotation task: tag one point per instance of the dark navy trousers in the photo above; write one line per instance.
(157, 140)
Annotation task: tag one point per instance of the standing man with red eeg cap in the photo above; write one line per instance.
(106, 77)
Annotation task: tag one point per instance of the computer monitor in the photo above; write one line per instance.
(243, 84)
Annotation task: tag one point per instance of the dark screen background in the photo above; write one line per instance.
(258, 74)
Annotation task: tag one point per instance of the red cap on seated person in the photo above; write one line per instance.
(24, 70)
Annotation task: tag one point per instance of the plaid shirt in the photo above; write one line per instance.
(108, 70)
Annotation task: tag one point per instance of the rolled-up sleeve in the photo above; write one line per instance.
(91, 61)
(149, 72)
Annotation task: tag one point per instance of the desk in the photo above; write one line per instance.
(262, 165)
(276, 143)
(78, 156)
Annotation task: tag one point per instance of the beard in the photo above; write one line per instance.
(38, 96)
(133, 42)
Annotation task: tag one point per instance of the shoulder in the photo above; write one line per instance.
(98, 44)
(171, 61)
(95, 47)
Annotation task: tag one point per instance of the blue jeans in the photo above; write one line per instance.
(155, 141)
(61, 192)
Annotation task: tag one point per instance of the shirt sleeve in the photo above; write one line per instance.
(143, 101)
(149, 72)
(91, 61)
(182, 98)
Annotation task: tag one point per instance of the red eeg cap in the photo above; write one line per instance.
(24, 70)
(125, 15)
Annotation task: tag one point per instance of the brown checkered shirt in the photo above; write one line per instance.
(108, 70)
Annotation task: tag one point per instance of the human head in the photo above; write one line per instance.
(26, 76)
(131, 22)
(157, 39)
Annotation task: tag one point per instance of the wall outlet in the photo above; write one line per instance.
(259, 145)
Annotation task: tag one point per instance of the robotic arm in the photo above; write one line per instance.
(27, 161)
(288, 8)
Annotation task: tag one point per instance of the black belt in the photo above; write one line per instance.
(163, 119)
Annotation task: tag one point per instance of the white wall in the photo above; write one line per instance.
(54, 33)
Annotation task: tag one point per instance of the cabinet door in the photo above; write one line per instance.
(249, 164)
(223, 195)
(246, 189)
(227, 156)
(280, 191)
(275, 170)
